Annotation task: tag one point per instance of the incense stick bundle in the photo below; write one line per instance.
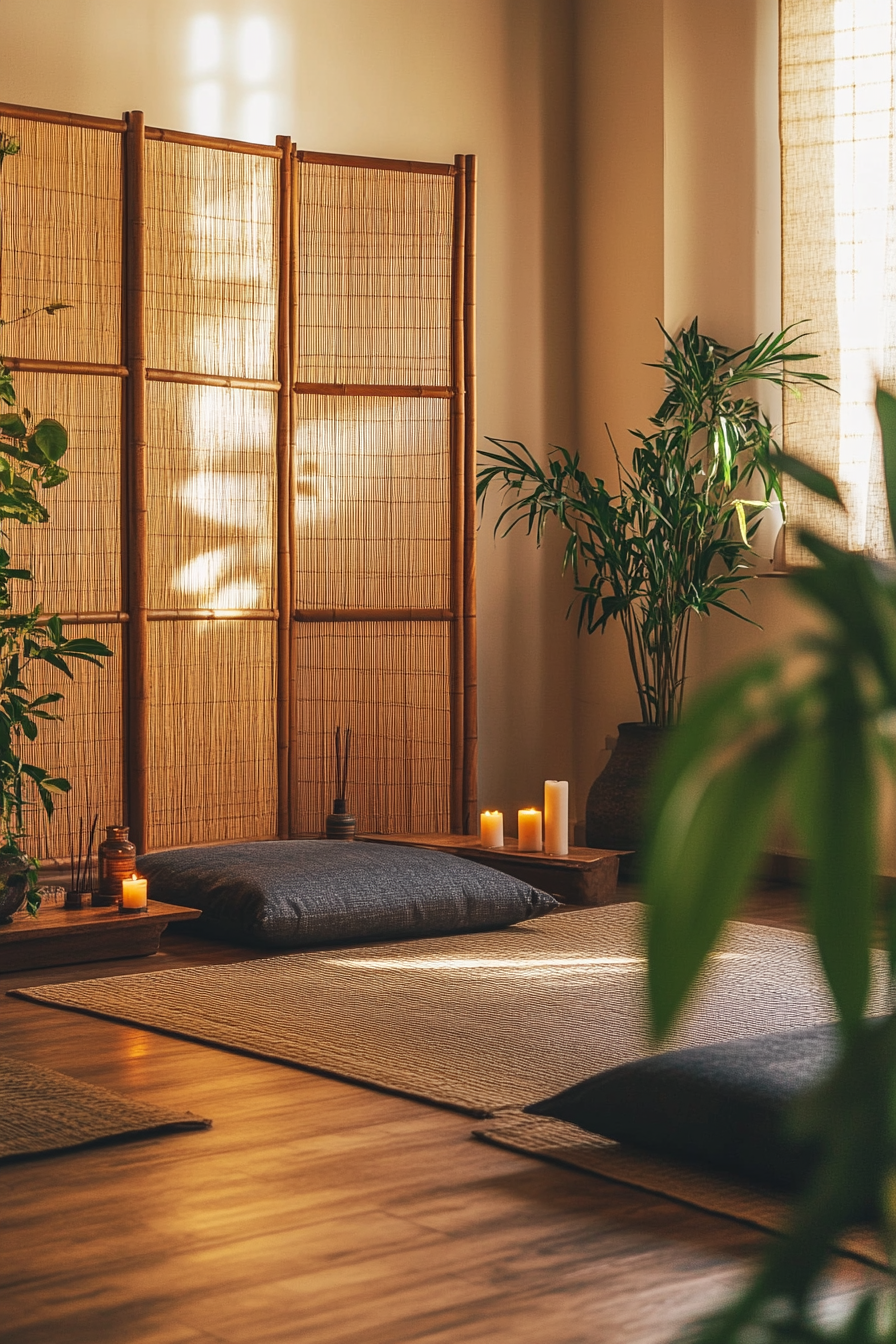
(342, 757)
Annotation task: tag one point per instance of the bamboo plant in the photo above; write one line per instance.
(672, 537)
(30, 463)
(812, 728)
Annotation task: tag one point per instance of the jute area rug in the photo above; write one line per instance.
(480, 1022)
(43, 1112)
(487, 1023)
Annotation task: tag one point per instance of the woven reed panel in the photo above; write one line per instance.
(211, 260)
(389, 683)
(62, 240)
(812, 218)
(372, 506)
(211, 495)
(85, 747)
(76, 556)
(374, 270)
(212, 732)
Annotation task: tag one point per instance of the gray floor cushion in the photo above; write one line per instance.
(291, 893)
(720, 1105)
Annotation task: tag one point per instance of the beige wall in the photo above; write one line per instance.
(620, 176)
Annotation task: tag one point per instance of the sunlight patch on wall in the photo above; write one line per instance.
(862, 124)
(230, 65)
(231, 488)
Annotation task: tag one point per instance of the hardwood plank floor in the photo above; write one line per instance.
(326, 1213)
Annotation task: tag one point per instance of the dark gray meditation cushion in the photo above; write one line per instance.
(291, 893)
(723, 1106)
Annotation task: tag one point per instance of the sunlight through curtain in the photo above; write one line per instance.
(839, 248)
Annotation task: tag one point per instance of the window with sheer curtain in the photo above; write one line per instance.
(838, 131)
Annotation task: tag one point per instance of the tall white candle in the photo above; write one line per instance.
(556, 816)
(529, 830)
(491, 830)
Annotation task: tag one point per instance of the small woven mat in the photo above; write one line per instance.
(481, 1022)
(43, 1112)
(556, 1141)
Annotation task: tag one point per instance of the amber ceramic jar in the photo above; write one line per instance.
(118, 858)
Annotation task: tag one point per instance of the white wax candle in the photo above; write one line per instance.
(133, 893)
(556, 816)
(529, 830)
(491, 830)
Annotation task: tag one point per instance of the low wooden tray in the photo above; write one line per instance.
(581, 877)
(58, 937)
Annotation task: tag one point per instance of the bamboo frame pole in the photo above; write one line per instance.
(55, 118)
(293, 256)
(87, 618)
(471, 709)
(456, 694)
(387, 165)
(372, 390)
(327, 615)
(212, 142)
(135, 352)
(70, 366)
(212, 380)
(212, 614)
(284, 457)
(167, 614)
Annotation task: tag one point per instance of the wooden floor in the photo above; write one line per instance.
(316, 1212)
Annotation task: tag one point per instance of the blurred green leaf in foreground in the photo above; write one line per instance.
(813, 729)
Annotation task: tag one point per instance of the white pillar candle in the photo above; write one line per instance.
(556, 816)
(491, 830)
(133, 893)
(529, 830)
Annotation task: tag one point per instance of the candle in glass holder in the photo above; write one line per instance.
(491, 830)
(133, 893)
(529, 830)
(556, 816)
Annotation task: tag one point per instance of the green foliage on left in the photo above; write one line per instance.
(29, 463)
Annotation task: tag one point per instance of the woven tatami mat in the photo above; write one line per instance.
(556, 1141)
(45, 1112)
(481, 1022)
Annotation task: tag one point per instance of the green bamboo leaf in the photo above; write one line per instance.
(886, 414)
(845, 586)
(810, 477)
(835, 807)
(699, 866)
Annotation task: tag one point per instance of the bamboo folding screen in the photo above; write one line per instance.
(267, 376)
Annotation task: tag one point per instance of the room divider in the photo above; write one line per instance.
(267, 373)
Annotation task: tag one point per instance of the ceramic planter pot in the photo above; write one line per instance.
(13, 883)
(615, 808)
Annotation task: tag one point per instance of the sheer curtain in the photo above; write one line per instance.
(838, 131)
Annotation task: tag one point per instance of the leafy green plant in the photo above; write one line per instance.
(30, 462)
(814, 728)
(672, 540)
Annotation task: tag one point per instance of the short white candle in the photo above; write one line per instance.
(529, 830)
(556, 816)
(133, 893)
(491, 830)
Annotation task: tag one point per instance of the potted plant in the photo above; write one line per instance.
(30, 457)
(813, 727)
(668, 540)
